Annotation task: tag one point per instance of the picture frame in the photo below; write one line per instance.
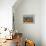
(28, 19)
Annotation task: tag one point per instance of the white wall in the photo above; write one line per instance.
(6, 13)
(31, 31)
(43, 22)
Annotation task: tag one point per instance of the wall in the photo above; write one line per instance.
(43, 22)
(6, 13)
(30, 31)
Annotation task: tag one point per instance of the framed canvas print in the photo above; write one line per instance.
(28, 19)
